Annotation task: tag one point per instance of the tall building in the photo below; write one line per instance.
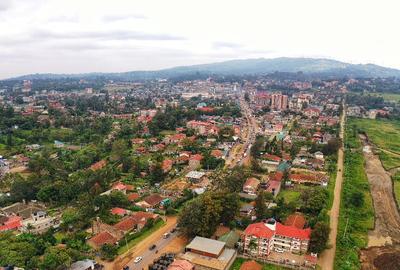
(27, 86)
(279, 102)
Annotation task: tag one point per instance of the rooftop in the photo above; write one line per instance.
(195, 174)
(206, 245)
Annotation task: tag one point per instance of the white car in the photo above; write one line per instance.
(279, 250)
(138, 259)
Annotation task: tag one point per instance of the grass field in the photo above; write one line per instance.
(354, 220)
(239, 261)
(388, 96)
(385, 135)
(290, 195)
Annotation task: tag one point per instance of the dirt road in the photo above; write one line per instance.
(143, 246)
(384, 241)
(387, 218)
(327, 258)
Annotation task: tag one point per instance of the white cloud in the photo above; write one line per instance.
(100, 35)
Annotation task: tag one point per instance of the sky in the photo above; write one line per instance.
(76, 36)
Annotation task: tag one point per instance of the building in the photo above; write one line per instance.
(195, 161)
(151, 201)
(167, 165)
(202, 128)
(251, 185)
(85, 265)
(279, 102)
(262, 99)
(195, 176)
(263, 237)
(273, 187)
(101, 239)
(180, 265)
(10, 223)
(312, 112)
(40, 222)
(205, 253)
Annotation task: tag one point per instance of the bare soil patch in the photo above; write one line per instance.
(383, 250)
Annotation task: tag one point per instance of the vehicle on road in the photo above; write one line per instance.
(173, 230)
(152, 247)
(138, 259)
(166, 235)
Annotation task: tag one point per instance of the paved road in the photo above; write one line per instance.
(150, 255)
(327, 258)
(142, 248)
(250, 130)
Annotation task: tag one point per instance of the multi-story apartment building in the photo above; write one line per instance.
(279, 102)
(259, 239)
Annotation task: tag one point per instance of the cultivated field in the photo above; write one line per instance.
(385, 136)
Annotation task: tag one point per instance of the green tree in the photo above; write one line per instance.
(356, 198)
(319, 237)
(261, 208)
(313, 200)
(157, 174)
(118, 150)
(56, 258)
(109, 251)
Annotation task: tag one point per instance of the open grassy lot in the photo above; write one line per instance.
(239, 261)
(388, 96)
(290, 195)
(385, 134)
(356, 217)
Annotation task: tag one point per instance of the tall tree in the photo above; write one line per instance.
(319, 237)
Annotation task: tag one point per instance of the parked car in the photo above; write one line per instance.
(138, 259)
(152, 247)
(279, 250)
(166, 235)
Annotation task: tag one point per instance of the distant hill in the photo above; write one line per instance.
(314, 66)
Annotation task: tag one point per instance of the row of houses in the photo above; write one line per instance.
(107, 234)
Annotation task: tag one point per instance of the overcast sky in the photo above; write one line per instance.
(74, 36)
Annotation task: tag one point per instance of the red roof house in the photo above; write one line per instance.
(167, 165)
(251, 185)
(118, 211)
(133, 197)
(10, 223)
(101, 239)
(217, 153)
(98, 165)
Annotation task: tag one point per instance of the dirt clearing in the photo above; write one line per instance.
(383, 250)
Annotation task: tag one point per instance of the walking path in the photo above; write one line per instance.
(327, 258)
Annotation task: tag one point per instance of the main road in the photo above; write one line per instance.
(327, 258)
(142, 248)
(240, 152)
